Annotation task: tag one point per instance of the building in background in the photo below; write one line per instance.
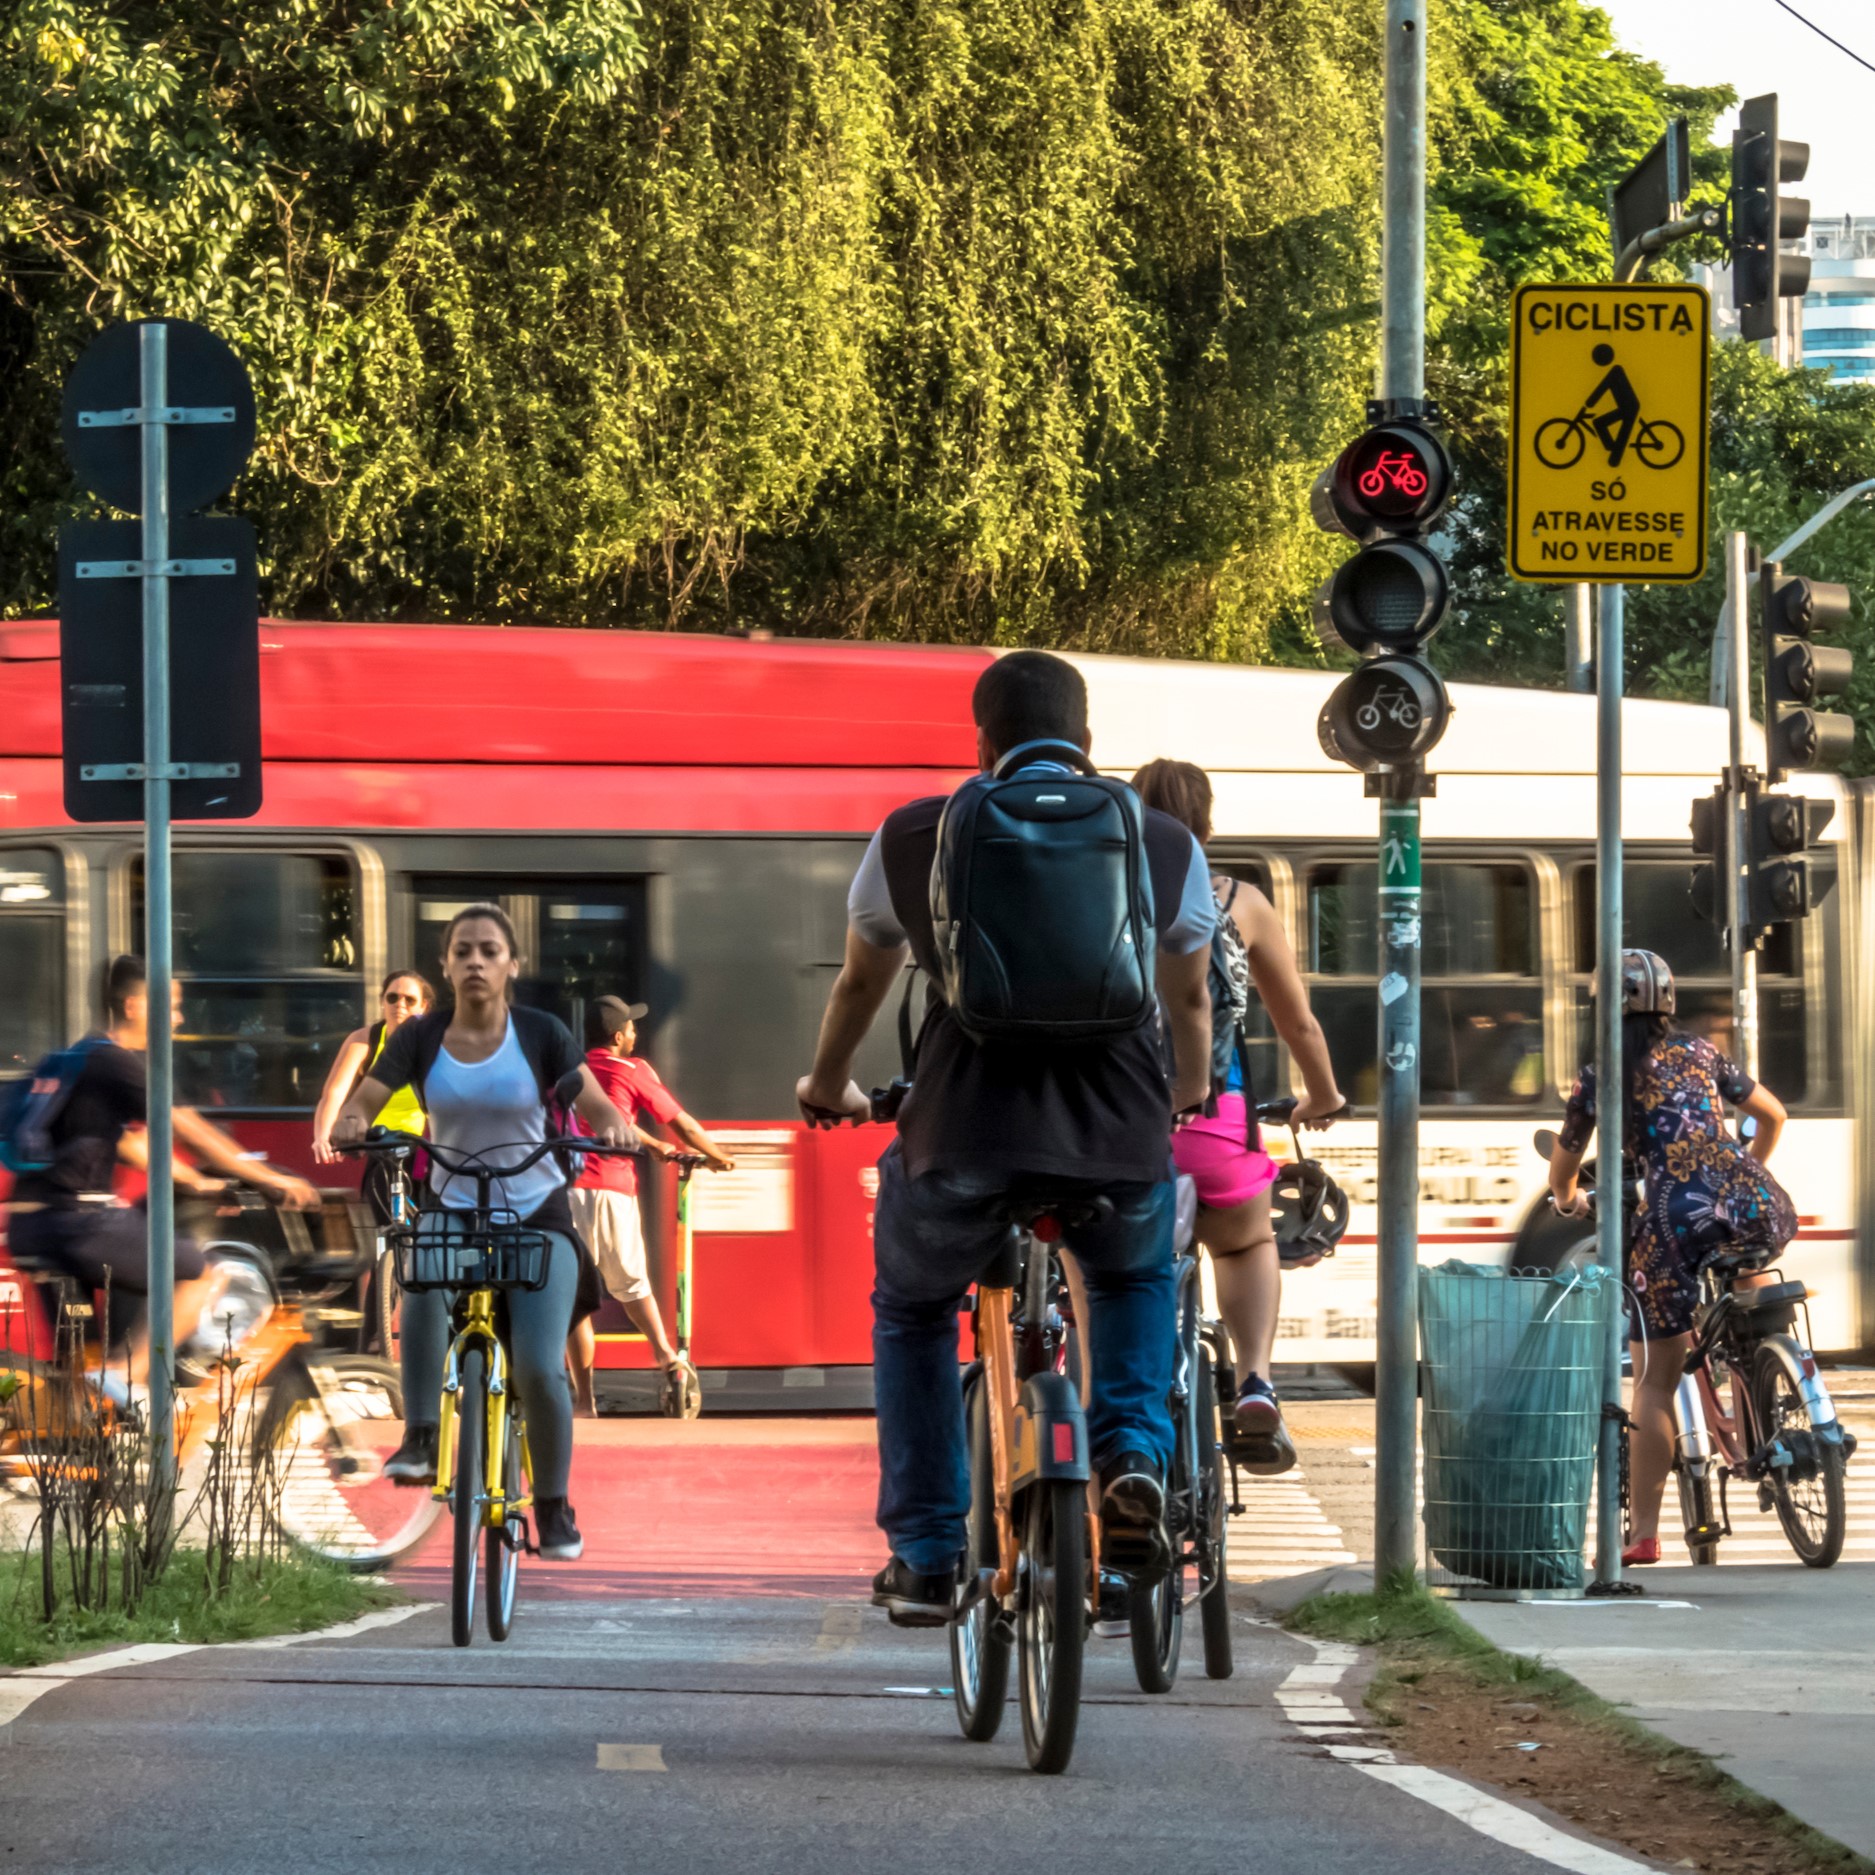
(1839, 309)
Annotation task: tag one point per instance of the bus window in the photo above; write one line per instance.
(1797, 1058)
(32, 957)
(579, 939)
(268, 952)
(1481, 998)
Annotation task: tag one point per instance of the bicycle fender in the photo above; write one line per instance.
(1050, 1432)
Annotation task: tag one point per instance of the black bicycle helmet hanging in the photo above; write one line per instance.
(1308, 1210)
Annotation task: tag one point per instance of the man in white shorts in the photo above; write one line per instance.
(605, 1196)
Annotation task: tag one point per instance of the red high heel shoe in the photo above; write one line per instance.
(1638, 1555)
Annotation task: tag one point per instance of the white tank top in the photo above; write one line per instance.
(474, 1105)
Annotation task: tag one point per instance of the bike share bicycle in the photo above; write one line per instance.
(315, 1419)
(1751, 1405)
(484, 1471)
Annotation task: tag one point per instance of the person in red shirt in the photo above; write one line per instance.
(605, 1195)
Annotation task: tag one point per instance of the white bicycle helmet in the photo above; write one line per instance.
(1646, 984)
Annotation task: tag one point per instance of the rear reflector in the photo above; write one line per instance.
(1064, 1442)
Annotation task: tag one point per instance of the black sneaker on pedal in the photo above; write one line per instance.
(556, 1534)
(414, 1462)
(1259, 1441)
(912, 1600)
(1133, 1537)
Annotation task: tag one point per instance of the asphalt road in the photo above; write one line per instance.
(653, 1712)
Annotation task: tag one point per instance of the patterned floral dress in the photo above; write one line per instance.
(1704, 1192)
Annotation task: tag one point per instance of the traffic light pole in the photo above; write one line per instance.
(1738, 804)
(1403, 319)
(153, 340)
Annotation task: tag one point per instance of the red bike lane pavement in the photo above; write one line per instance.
(707, 1506)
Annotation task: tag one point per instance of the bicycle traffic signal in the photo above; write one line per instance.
(1784, 883)
(1763, 217)
(1709, 842)
(1797, 673)
(1385, 491)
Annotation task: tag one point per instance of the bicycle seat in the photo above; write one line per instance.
(1065, 1214)
(1739, 1262)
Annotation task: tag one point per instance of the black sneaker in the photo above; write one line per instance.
(911, 1600)
(1259, 1440)
(556, 1534)
(414, 1462)
(1113, 1619)
(1132, 1518)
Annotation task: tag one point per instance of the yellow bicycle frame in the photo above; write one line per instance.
(480, 1326)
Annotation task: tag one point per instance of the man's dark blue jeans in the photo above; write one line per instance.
(932, 1238)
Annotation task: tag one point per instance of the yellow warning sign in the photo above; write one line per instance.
(1608, 420)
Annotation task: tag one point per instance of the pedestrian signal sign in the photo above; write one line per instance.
(1609, 425)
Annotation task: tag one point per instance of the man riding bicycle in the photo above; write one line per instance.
(987, 1121)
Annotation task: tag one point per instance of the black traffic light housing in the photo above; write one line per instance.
(1763, 217)
(1798, 674)
(1785, 884)
(1709, 843)
(1386, 491)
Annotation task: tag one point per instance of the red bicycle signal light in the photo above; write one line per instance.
(1393, 480)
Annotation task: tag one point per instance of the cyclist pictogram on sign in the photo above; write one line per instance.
(1609, 428)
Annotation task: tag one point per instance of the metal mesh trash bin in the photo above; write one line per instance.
(1511, 1396)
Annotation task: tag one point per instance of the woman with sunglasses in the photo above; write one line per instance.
(405, 994)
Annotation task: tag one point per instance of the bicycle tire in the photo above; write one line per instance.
(334, 1500)
(1156, 1621)
(979, 1638)
(1699, 1510)
(502, 1551)
(1156, 1611)
(465, 1492)
(1214, 1527)
(1558, 454)
(1644, 440)
(386, 1299)
(1051, 1624)
(1816, 1535)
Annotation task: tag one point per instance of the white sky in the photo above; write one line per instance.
(1825, 99)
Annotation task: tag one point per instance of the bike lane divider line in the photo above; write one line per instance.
(1319, 1713)
(20, 1688)
(632, 1758)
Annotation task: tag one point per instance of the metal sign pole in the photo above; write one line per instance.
(1396, 1414)
(154, 358)
(1738, 706)
(1609, 1092)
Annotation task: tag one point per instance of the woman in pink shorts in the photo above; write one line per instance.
(1221, 1151)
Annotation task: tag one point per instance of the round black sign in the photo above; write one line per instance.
(1388, 713)
(1394, 479)
(208, 447)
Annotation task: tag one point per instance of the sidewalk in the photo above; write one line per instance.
(1769, 1669)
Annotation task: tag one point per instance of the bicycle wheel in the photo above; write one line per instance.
(1052, 1623)
(1699, 1513)
(1157, 1618)
(386, 1298)
(1659, 445)
(1214, 1529)
(1811, 1506)
(1559, 443)
(465, 1500)
(979, 1639)
(1156, 1611)
(328, 1427)
(503, 1556)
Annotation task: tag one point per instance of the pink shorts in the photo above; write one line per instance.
(1213, 1155)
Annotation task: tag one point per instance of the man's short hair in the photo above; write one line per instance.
(124, 977)
(1030, 696)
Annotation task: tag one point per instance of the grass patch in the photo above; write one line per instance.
(1450, 1696)
(287, 1595)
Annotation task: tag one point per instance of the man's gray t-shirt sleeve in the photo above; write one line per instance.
(869, 902)
(1196, 919)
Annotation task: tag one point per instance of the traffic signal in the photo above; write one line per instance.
(1763, 217)
(1798, 673)
(1386, 491)
(1709, 843)
(1784, 884)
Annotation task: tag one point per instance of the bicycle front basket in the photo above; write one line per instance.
(470, 1250)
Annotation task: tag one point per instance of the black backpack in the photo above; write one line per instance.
(1041, 902)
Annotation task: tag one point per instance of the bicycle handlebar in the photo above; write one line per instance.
(388, 1140)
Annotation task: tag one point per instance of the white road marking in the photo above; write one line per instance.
(632, 1758)
(1282, 1530)
(1319, 1713)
